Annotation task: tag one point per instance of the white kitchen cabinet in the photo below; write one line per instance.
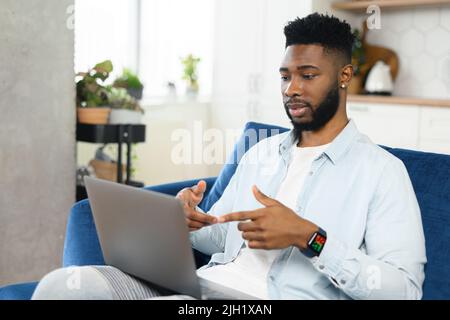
(435, 146)
(387, 124)
(249, 46)
(238, 31)
(413, 127)
(435, 129)
(238, 34)
(277, 14)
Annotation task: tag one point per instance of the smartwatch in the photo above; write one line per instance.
(315, 244)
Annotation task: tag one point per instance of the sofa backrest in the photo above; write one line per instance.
(430, 176)
(253, 132)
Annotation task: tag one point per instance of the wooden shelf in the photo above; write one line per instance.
(386, 4)
(399, 100)
(113, 133)
(109, 133)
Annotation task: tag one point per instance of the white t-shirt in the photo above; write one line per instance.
(248, 272)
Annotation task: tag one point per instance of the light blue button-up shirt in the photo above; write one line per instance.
(360, 194)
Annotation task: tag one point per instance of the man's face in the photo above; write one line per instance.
(309, 86)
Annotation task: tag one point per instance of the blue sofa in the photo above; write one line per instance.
(430, 175)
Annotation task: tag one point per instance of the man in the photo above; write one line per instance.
(319, 212)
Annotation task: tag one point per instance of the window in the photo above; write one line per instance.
(147, 36)
(171, 29)
(106, 29)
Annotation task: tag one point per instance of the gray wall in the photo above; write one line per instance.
(37, 135)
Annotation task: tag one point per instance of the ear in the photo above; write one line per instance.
(345, 75)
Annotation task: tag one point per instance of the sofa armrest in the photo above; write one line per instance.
(173, 188)
(81, 245)
(18, 291)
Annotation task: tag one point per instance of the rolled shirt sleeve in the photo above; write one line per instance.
(390, 263)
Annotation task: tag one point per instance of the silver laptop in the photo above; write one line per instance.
(144, 233)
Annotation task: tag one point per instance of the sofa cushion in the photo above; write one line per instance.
(81, 245)
(18, 291)
(253, 133)
(430, 176)
(174, 187)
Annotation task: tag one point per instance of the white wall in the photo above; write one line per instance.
(421, 38)
(37, 135)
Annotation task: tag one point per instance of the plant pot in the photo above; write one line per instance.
(124, 116)
(135, 93)
(106, 170)
(93, 115)
(192, 92)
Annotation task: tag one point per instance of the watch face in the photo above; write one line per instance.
(317, 243)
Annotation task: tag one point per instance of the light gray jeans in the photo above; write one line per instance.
(97, 283)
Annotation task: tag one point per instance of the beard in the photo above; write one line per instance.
(324, 112)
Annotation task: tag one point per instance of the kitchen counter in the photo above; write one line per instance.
(399, 100)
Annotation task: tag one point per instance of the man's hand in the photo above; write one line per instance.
(190, 198)
(273, 227)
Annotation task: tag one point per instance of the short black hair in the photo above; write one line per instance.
(327, 31)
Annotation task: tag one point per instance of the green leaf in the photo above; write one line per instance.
(104, 67)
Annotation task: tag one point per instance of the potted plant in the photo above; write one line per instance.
(358, 62)
(130, 81)
(190, 74)
(124, 108)
(92, 96)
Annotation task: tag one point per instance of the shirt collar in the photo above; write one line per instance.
(338, 147)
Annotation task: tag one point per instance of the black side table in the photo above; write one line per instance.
(114, 133)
